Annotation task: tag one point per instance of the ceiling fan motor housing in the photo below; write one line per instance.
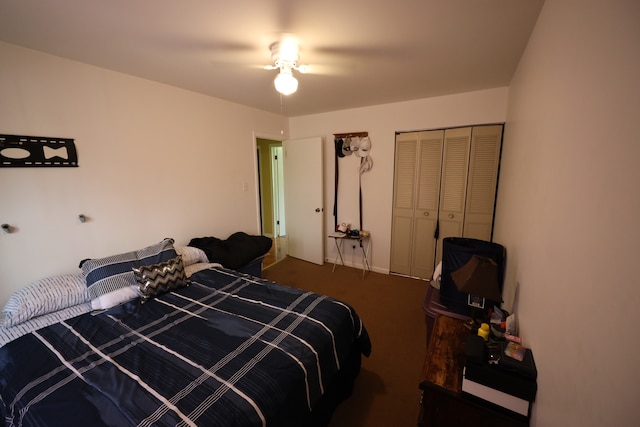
(285, 50)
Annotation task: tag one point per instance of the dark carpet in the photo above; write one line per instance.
(386, 393)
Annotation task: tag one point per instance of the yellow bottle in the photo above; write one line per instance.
(483, 331)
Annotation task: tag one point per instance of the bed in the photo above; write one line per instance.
(214, 347)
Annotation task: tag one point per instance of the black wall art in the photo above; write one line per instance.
(37, 151)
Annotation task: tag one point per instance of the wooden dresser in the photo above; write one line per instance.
(443, 403)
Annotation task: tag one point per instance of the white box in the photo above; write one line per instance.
(500, 398)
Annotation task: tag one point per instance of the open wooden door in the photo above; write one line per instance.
(304, 204)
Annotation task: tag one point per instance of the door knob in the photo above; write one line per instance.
(426, 214)
(450, 215)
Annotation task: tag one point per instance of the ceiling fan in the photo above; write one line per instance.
(285, 54)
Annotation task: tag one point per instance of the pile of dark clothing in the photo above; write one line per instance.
(237, 251)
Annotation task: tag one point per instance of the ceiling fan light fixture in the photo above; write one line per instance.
(285, 83)
(285, 56)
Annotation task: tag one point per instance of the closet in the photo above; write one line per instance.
(445, 185)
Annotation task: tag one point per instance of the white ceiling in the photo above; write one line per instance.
(363, 52)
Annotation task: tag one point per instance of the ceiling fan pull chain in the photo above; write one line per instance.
(281, 118)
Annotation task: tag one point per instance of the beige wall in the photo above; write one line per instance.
(382, 122)
(568, 209)
(155, 162)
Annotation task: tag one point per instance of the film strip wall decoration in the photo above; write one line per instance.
(37, 151)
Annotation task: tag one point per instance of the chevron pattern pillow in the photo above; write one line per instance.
(160, 278)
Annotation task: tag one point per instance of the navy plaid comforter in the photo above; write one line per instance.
(228, 350)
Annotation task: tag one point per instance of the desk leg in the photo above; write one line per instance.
(365, 258)
(339, 254)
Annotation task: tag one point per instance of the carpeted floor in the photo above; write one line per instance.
(386, 392)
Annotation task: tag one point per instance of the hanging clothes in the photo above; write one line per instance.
(339, 144)
(363, 148)
(345, 146)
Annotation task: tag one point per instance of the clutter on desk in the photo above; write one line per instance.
(525, 366)
(512, 338)
(500, 371)
(483, 331)
(499, 328)
(345, 229)
(515, 351)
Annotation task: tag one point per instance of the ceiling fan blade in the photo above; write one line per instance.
(182, 42)
(355, 52)
(329, 70)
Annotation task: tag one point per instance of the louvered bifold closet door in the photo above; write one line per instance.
(453, 188)
(483, 179)
(418, 164)
(427, 200)
(403, 202)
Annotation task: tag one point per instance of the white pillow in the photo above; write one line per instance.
(199, 266)
(113, 298)
(191, 255)
(45, 296)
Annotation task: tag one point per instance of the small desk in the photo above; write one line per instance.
(443, 402)
(340, 238)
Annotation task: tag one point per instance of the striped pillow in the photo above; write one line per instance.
(45, 296)
(110, 280)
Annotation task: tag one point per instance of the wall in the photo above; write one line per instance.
(568, 210)
(155, 161)
(382, 122)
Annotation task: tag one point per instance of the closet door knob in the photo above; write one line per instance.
(426, 214)
(450, 215)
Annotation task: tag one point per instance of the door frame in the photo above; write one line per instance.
(256, 171)
(321, 241)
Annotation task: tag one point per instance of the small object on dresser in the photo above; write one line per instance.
(515, 351)
(469, 324)
(525, 367)
(513, 338)
(483, 331)
(511, 325)
(493, 353)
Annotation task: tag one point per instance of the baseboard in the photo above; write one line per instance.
(357, 266)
